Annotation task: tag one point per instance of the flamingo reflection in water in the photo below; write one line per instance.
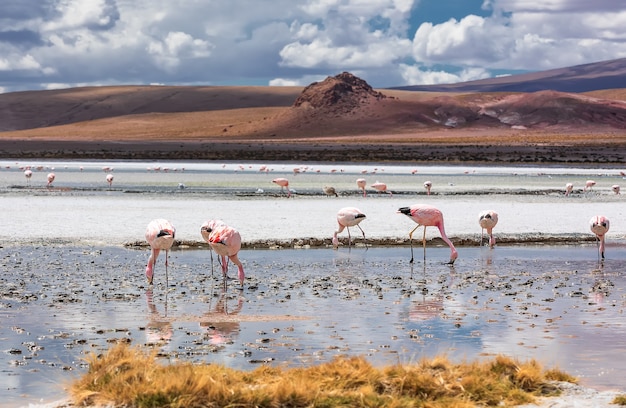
(221, 322)
(159, 330)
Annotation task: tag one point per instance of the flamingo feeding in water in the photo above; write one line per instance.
(615, 188)
(283, 183)
(348, 217)
(428, 216)
(110, 179)
(28, 174)
(381, 187)
(589, 185)
(361, 185)
(160, 235)
(427, 186)
(51, 177)
(568, 189)
(599, 225)
(226, 242)
(487, 220)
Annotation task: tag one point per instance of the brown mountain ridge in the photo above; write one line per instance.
(341, 110)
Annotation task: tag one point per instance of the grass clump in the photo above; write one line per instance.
(130, 377)
(619, 400)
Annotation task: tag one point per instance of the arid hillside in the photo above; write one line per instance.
(340, 111)
(580, 78)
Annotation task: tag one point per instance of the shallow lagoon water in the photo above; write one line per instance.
(70, 287)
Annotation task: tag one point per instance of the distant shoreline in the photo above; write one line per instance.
(339, 151)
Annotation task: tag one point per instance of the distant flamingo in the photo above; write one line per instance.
(28, 174)
(381, 187)
(226, 242)
(568, 189)
(51, 177)
(110, 179)
(160, 236)
(589, 185)
(615, 188)
(361, 185)
(487, 220)
(428, 216)
(348, 217)
(283, 183)
(330, 191)
(599, 225)
(427, 186)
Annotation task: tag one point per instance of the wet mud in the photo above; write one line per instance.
(557, 304)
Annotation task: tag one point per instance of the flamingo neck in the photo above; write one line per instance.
(602, 245)
(453, 252)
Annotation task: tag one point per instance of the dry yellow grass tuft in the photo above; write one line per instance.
(127, 376)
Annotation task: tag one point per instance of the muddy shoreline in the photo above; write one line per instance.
(305, 243)
(445, 153)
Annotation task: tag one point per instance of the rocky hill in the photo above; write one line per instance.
(339, 118)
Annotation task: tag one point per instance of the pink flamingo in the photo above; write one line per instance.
(427, 186)
(28, 174)
(226, 242)
(348, 217)
(51, 177)
(205, 231)
(589, 185)
(361, 185)
(110, 179)
(428, 216)
(599, 225)
(615, 188)
(487, 220)
(568, 189)
(283, 183)
(381, 187)
(160, 236)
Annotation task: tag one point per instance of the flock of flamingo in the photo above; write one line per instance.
(226, 241)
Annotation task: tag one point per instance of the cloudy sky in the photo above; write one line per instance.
(48, 44)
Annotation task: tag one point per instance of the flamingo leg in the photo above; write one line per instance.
(362, 232)
(349, 237)
(224, 265)
(167, 284)
(424, 243)
(411, 241)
